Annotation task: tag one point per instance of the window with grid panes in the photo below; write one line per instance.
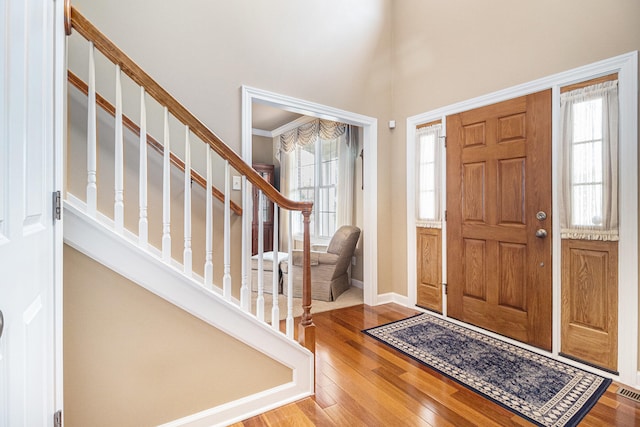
(315, 172)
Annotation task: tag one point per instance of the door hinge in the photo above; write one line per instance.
(445, 214)
(57, 419)
(444, 139)
(57, 206)
(446, 292)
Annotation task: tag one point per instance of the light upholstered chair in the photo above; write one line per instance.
(329, 270)
(267, 271)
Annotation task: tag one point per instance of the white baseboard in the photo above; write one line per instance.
(392, 297)
(240, 409)
(357, 283)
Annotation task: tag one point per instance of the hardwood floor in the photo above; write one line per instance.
(361, 382)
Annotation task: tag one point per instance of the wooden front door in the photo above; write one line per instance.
(499, 218)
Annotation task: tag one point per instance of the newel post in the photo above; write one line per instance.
(306, 329)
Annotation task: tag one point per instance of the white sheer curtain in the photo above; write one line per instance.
(428, 171)
(589, 162)
(285, 173)
(346, 166)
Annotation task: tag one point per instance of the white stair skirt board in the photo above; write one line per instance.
(91, 237)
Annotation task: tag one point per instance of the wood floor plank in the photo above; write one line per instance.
(367, 412)
(449, 396)
(342, 417)
(315, 413)
(252, 422)
(470, 399)
(289, 415)
(323, 399)
(429, 409)
(364, 391)
(362, 382)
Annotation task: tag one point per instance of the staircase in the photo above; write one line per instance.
(202, 265)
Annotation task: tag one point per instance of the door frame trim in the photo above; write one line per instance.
(59, 129)
(626, 66)
(370, 146)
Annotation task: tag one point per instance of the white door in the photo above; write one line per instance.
(27, 273)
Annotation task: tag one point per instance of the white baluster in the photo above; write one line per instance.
(245, 293)
(226, 277)
(260, 300)
(187, 256)
(166, 192)
(289, 283)
(118, 204)
(92, 140)
(275, 311)
(208, 265)
(143, 222)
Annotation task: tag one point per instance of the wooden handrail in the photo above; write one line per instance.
(140, 77)
(79, 84)
(306, 332)
(67, 17)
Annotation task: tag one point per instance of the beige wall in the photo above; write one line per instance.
(262, 150)
(445, 52)
(133, 359)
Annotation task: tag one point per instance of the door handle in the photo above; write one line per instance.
(541, 233)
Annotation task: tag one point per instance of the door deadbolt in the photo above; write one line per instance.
(541, 233)
(541, 216)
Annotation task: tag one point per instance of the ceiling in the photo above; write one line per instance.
(267, 118)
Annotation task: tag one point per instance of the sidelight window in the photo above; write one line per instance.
(589, 126)
(428, 156)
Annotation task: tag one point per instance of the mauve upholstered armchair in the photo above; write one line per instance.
(329, 270)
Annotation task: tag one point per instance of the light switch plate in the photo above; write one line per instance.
(237, 182)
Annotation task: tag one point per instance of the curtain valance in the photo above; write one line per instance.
(309, 132)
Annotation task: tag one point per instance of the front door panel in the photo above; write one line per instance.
(498, 245)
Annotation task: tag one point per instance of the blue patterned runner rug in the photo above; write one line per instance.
(542, 390)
